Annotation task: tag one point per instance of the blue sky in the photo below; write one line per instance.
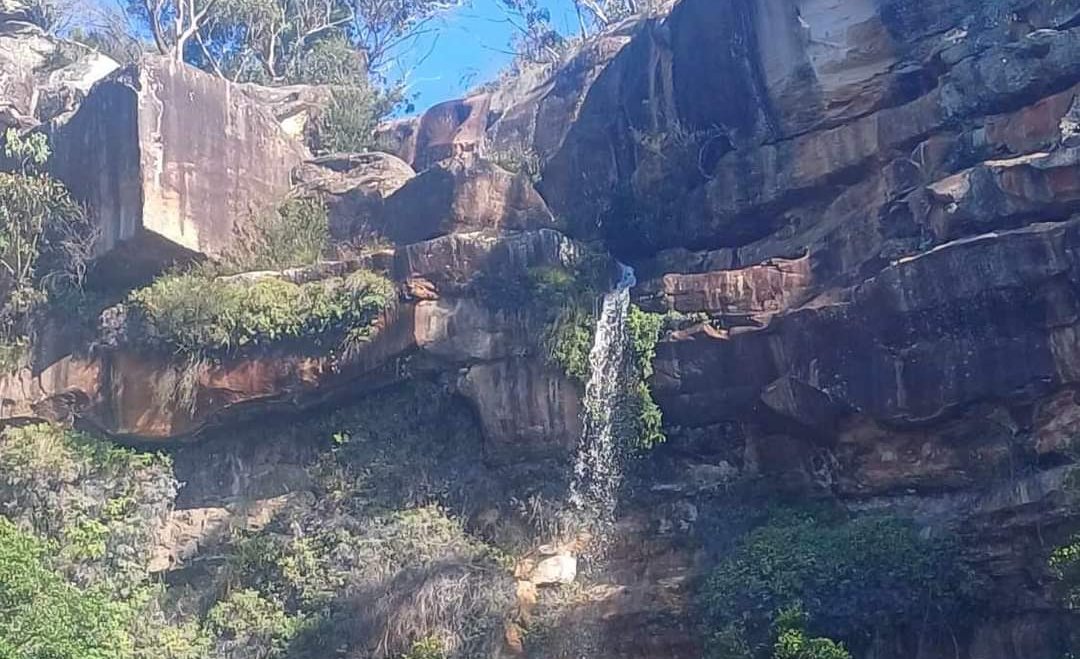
(468, 49)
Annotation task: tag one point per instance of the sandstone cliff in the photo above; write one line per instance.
(860, 218)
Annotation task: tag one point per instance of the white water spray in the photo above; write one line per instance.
(598, 468)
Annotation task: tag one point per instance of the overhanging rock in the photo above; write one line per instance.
(168, 159)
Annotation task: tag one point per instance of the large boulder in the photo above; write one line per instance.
(461, 195)
(168, 160)
(354, 186)
(42, 77)
(444, 131)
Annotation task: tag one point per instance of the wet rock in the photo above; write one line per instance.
(758, 290)
(925, 336)
(527, 407)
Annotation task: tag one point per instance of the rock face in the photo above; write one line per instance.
(870, 208)
(354, 186)
(527, 408)
(42, 78)
(158, 189)
(460, 195)
(875, 207)
(531, 112)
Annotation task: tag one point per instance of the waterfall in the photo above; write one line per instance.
(599, 463)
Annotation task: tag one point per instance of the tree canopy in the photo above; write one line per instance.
(287, 41)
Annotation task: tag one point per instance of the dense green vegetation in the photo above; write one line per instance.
(369, 562)
(194, 315)
(376, 563)
(348, 122)
(212, 309)
(567, 341)
(76, 535)
(792, 642)
(644, 329)
(96, 501)
(44, 616)
(564, 300)
(45, 243)
(561, 299)
(850, 578)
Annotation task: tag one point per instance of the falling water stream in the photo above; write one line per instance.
(598, 467)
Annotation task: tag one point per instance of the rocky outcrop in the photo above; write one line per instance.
(869, 212)
(461, 195)
(296, 107)
(527, 408)
(875, 209)
(354, 186)
(42, 77)
(527, 113)
(157, 189)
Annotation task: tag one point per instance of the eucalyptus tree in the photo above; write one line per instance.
(288, 41)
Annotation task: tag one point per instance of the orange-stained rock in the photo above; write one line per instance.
(756, 290)
(970, 320)
(527, 407)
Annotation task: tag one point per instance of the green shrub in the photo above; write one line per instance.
(851, 576)
(426, 648)
(14, 353)
(644, 332)
(29, 152)
(417, 575)
(294, 234)
(192, 314)
(248, 625)
(792, 643)
(1065, 567)
(567, 341)
(96, 501)
(348, 123)
(42, 616)
(330, 61)
(45, 244)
